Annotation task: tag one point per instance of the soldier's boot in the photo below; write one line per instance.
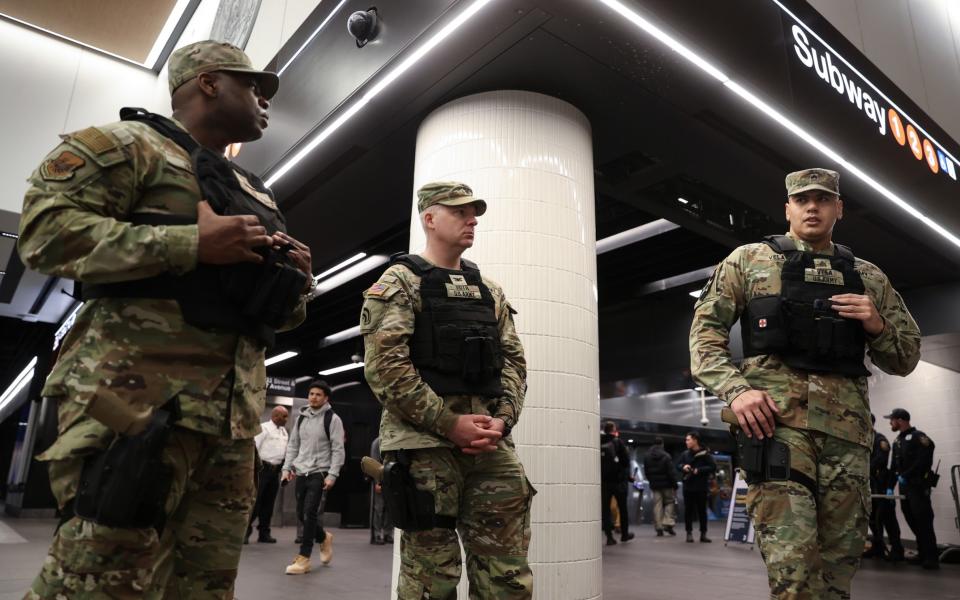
(704, 539)
(610, 540)
(659, 533)
(299, 566)
(326, 549)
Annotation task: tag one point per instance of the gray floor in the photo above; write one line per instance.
(648, 568)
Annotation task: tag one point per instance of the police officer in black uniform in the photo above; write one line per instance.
(912, 460)
(884, 511)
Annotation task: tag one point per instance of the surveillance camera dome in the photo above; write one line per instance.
(704, 422)
(362, 25)
(356, 358)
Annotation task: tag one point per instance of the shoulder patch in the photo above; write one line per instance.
(377, 289)
(884, 445)
(62, 167)
(924, 440)
(94, 139)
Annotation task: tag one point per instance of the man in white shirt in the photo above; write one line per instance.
(271, 445)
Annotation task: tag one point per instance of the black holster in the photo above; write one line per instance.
(127, 484)
(762, 460)
(409, 508)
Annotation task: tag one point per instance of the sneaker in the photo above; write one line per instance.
(627, 537)
(659, 533)
(378, 541)
(670, 531)
(300, 565)
(388, 539)
(704, 539)
(326, 549)
(689, 538)
(266, 538)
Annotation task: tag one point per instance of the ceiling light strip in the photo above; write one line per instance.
(389, 78)
(341, 369)
(362, 267)
(771, 112)
(337, 267)
(864, 78)
(60, 36)
(279, 358)
(166, 31)
(340, 336)
(21, 380)
(312, 36)
(637, 234)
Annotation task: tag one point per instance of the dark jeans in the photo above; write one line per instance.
(695, 507)
(618, 490)
(884, 516)
(309, 489)
(918, 511)
(266, 497)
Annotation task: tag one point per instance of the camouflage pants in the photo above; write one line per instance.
(490, 496)
(812, 546)
(196, 557)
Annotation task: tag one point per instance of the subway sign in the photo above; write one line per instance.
(862, 97)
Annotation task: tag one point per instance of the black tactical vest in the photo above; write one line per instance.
(799, 325)
(456, 342)
(246, 298)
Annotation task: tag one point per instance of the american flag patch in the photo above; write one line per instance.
(376, 289)
(762, 324)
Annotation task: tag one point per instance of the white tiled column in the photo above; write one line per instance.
(530, 157)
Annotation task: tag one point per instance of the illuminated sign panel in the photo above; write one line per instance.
(848, 83)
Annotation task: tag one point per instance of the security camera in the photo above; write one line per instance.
(704, 421)
(362, 25)
(356, 358)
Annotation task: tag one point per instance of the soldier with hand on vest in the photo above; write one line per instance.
(808, 311)
(159, 385)
(444, 359)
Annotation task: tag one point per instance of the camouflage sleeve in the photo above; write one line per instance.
(73, 226)
(513, 377)
(298, 316)
(716, 311)
(897, 349)
(386, 323)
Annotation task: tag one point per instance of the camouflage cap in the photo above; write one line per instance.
(448, 193)
(206, 56)
(813, 179)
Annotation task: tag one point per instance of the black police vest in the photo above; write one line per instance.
(456, 342)
(799, 325)
(246, 298)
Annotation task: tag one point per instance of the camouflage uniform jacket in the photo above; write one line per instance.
(128, 355)
(414, 415)
(828, 403)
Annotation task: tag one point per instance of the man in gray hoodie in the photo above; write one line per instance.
(315, 455)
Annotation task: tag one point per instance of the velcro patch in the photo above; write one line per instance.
(830, 276)
(259, 196)
(376, 289)
(62, 167)
(94, 139)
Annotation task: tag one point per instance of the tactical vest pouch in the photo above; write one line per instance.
(411, 509)
(763, 328)
(762, 460)
(126, 486)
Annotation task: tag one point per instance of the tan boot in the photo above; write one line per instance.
(326, 549)
(300, 565)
